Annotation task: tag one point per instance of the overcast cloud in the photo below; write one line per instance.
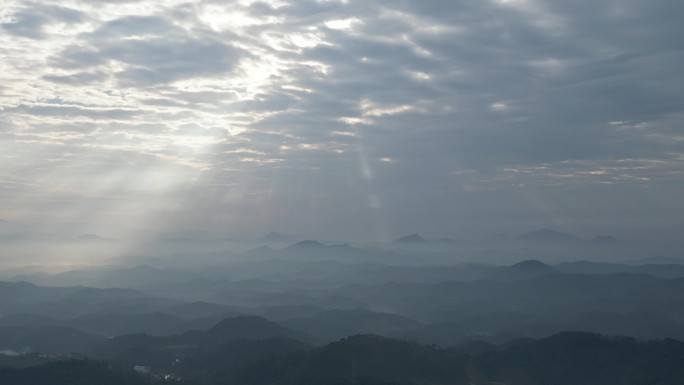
(350, 120)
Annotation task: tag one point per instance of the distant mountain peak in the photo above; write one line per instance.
(547, 235)
(521, 270)
(531, 264)
(263, 248)
(307, 244)
(275, 236)
(413, 238)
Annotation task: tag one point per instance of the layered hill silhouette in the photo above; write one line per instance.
(332, 325)
(563, 359)
(159, 351)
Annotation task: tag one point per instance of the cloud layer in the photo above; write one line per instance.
(345, 119)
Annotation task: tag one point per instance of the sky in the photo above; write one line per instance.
(350, 120)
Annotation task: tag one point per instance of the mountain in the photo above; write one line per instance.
(74, 301)
(361, 359)
(306, 245)
(667, 271)
(275, 237)
(20, 297)
(219, 361)
(249, 328)
(585, 358)
(569, 358)
(659, 260)
(413, 238)
(199, 309)
(159, 351)
(546, 235)
(522, 270)
(565, 359)
(284, 312)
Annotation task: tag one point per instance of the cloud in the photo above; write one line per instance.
(145, 51)
(319, 105)
(31, 20)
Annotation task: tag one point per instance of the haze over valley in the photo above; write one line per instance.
(276, 192)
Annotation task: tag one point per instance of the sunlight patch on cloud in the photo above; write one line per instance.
(369, 108)
(343, 24)
(353, 121)
(349, 134)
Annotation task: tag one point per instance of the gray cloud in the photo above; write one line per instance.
(426, 115)
(152, 50)
(30, 21)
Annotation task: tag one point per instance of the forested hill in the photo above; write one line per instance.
(564, 359)
(570, 358)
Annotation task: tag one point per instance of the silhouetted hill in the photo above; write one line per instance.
(659, 260)
(250, 328)
(285, 312)
(275, 237)
(21, 294)
(361, 359)
(200, 309)
(565, 359)
(575, 358)
(639, 324)
(656, 270)
(159, 351)
(521, 270)
(219, 361)
(569, 358)
(308, 244)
